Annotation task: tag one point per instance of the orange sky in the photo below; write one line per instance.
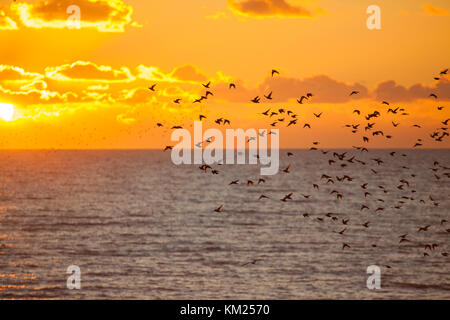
(87, 87)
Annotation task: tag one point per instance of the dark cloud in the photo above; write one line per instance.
(268, 8)
(391, 91)
(324, 89)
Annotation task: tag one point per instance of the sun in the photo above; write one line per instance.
(6, 111)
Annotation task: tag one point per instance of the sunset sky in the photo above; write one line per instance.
(88, 87)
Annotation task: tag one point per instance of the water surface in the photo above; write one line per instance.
(140, 227)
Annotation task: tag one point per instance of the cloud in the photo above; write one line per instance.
(17, 79)
(391, 91)
(328, 90)
(434, 11)
(77, 82)
(152, 73)
(6, 23)
(88, 72)
(84, 82)
(103, 15)
(188, 73)
(12, 73)
(324, 88)
(135, 96)
(268, 8)
(35, 96)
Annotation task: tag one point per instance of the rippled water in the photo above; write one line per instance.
(140, 227)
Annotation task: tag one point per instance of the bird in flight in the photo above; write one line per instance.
(251, 262)
(300, 101)
(256, 99)
(424, 228)
(354, 92)
(274, 72)
(152, 88)
(232, 86)
(292, 122)
(287, 197)
(207, 85)
(394, 111)
(219, 209)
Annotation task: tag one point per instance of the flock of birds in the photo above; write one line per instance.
(279, 116)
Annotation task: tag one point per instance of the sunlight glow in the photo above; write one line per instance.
(6, 111)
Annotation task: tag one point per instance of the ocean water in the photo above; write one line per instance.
(140, 227)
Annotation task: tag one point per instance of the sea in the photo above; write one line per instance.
(138, 226)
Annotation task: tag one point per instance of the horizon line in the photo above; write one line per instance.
(160, 149)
